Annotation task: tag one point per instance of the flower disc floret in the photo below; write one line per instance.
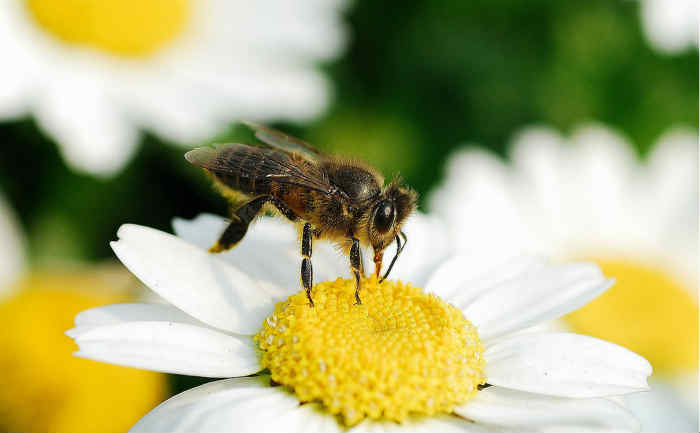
(400, 352)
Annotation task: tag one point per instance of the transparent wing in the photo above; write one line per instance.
(261, 163)
(282, 141)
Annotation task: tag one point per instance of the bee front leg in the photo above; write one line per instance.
(356, 265)
(307, 272)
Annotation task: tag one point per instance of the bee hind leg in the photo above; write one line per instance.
(239, 224)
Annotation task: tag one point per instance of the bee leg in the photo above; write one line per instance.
(239, 224)
(356, 265)
(307, 272)
(284, 210)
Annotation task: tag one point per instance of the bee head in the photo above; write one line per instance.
(389, 212)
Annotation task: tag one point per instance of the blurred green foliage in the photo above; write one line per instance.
(419, 78)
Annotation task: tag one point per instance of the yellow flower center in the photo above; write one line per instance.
(646, 311)
(129, 28)
(43, 387)
(401, 352)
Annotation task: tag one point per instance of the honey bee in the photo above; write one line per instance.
(328, 197)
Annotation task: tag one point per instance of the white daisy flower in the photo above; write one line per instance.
(400, 355)
(591, 197)
(95, 72)
(671, 26)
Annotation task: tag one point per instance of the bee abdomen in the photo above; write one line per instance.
(244, 183)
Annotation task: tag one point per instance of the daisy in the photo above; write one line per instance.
(46, 389)
(93, 73)
(671, 26)
(589, 196)
(458, 357)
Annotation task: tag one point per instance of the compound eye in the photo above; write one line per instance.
(384, 216)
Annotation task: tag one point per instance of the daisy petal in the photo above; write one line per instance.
(428, 245)
(534, 297)
(268, 240)
(197, 282)
(128, 312)
(170, 347)
(463, 277)
(93, 136)
(249, 404)
(436, 423)
(566, 365)
(664, 409)
(517, 410)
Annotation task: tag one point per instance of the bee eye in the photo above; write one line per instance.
(384, 216)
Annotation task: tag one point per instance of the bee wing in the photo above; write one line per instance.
(261, 163)
(282, 141)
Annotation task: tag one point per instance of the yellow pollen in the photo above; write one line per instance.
(129, 28)
(401, 352)
(646, 311)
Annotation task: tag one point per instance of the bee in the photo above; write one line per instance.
(341, 200)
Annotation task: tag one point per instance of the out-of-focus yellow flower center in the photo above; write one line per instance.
(401, 352)
(129, 28)
(646, 311)
(43, 388)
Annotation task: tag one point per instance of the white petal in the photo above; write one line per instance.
(533, 297)
(428, 245)
(20, 61)
(426, 424)
(78, 113)
(663, 409)
(243, 405)
(170, 347)
(463, 277)
(129, 312)
(517, 410)
(599, 195)
(567, 365)
(671, 26)
(268, 240)
(197, 282)
(583, 184)
(480, 207)
(672, 184)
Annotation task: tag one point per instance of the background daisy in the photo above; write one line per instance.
(671, 26)
(95, 73)
(44, 387)
(590, 196)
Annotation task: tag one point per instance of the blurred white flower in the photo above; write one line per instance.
(95, 72)
(540, 381)
(12, 248)
(671, 26)
(591, 197)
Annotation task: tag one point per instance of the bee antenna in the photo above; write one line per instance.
(399, 249)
